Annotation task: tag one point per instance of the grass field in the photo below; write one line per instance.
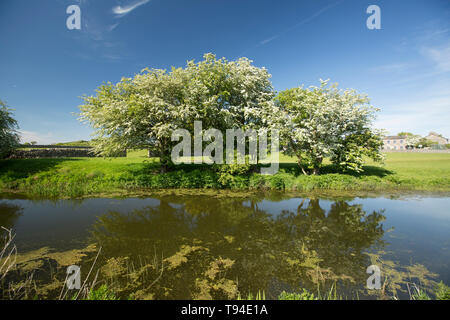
(80, 177)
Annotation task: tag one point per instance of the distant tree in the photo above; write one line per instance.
(9, 139)
(33, 143)
(416, 141)
(412, 140)
(327, 122)
(79, 143)
(425, 143)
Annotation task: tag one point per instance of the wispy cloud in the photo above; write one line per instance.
(120, 11)
(420, 116)
(112, 27)
(389, 68)
(268, 40)
(112, 57)
(440, 56)
(422, 84)
(438, 59)
(304, 21)
(97, 36)
(40, 138)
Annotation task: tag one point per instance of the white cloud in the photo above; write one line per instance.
(112, 27)
(28, 136)
(302, 22)
(268, 40)
(440, 56)
(419, 117)
(389, 68)
(121, 11)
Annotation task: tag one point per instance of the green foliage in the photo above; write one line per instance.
(233, 175)
(304, 295)
(420, 295)
(79, 143)
(102, 293)
(80, 177)
(315, 123)
(321, 122)
(9, 139)
(442, 291)
(355, 150)
(259, 296)
(144, 111)
(424, 143)
(405, 134)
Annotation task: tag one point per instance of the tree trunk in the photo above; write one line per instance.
(299, 162)
(164, 163)
(164, 158)
(317, 165)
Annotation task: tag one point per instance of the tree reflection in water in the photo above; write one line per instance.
(8, 217)
(203, 247)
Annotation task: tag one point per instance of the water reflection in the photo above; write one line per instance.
(10, 213)
(200, 247)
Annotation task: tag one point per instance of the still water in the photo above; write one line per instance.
(220, 246)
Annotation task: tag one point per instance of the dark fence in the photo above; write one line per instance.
(51, 146)
(419, 151)
(51, 151)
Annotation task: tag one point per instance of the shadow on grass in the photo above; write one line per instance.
(22, 168)
(380, 172)
(153, 167)
(13, 169)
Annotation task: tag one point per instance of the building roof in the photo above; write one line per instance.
(432, 133)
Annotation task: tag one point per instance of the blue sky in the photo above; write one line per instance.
(404, 67)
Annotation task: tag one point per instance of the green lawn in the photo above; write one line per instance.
(78, 177)
(419, 165)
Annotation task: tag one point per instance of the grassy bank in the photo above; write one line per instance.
(78, 177)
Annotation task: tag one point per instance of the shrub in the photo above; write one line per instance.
(232, 175)
(304, 295)
(102, 293)
(9, 139)
(442, 291)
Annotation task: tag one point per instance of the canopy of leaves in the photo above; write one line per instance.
(318, 122)
(9, 139)
(143, 111)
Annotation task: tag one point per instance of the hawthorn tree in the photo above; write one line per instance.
(9, 139)
(143, 111)
(325, 122)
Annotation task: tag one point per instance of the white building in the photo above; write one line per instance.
(394, 143)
